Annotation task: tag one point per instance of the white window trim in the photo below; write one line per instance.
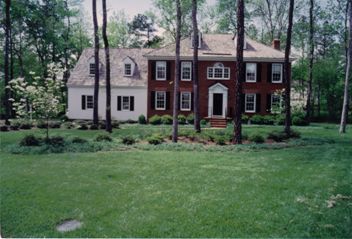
(88, 108)
(156, 100)
(190, 67)
(129, 103)
(157, 64)
(223, 73)
(190, 101)
(280, 101)
(130, 69)
(255, 104)
(255, 73)
(272, 73)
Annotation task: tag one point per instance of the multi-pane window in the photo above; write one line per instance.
(250, 102)
(128, 69)
(160, 100)
(251, 72)
(185, 101)
(186, 71)
(276, 103)
(276, 73)
(218, 72)
(160, 70)
(91, 69)
(125, 103)
(89, 101)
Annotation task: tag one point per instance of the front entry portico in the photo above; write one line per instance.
(217, 103)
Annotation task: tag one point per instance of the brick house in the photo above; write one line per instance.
(217, 65)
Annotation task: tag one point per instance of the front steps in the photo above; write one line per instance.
(218, 122)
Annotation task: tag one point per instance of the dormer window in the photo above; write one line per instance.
(218, 72)
(91, 69)
(128, 69)
(199, 40)
(244, 42)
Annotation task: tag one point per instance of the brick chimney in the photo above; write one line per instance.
(276, 44)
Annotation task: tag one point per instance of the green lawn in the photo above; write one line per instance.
(159, 193)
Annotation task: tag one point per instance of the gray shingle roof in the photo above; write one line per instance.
(220, 46)
(80, 74)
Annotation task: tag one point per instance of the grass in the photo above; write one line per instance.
(163, 193)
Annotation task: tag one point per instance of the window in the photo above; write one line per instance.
(125, 103)
(128, 69)
(87, 102)
(251, 72)
(160, 100)
(276, 103)
(276, 73)
(250, 102)
(161, 70)
(186, 71)
(185, 101)
(218, 72)
(91, 69)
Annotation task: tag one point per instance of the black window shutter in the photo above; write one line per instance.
(259, 72)
(243, 102)
(119, 103)
(283, 73)
(257, 103)
(268, 102)
(152, 100)
(245, 72)
(153, 65)
(192, 101)
(179, 101)
(83, 102)
(167, 100)
(168, 70)
(269, 72)
(131, 103)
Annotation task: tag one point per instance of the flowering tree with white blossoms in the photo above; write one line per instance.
(37, 97)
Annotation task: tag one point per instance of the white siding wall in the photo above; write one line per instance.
(74, 103)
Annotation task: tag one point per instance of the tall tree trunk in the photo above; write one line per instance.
(66, 49)
(287, 73)
(348, 74)
(195, 68)
(96, 61)
(177, 73)
(240, 73)
(107, 62)
(6, 61)
(311, 58)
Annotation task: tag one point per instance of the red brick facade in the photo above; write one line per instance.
(262, 87)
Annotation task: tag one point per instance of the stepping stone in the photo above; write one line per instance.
(69, 225)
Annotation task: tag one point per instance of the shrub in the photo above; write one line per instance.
(14, 127)
(295, 134)
(103, 138)
(55, 124)
(82, 126)
(115, 124)
(4, 128)
(142, 120)
(55, 141)
(128, 140)
(256, 138)
(203, 122)
(220, 141)
(78, 140)
(181, 119)
(94, 127)
(244, 136)
(268, 119)
(30, 140)
(68, 125)
(26, 124)
(16, 123)
(257, 119)
(190, 119)
(166, 119)
(280, 119)
(155, 139)
(277, 136)
(41, 124)
(299, 121)
(155, 120)
(102, 125)
(245, 119)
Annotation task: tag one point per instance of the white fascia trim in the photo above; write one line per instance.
(214, 58)
(103, 87)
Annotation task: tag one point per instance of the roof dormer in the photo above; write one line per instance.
(244, 43)
(91, 66)
(199, 40)
(128, 66)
